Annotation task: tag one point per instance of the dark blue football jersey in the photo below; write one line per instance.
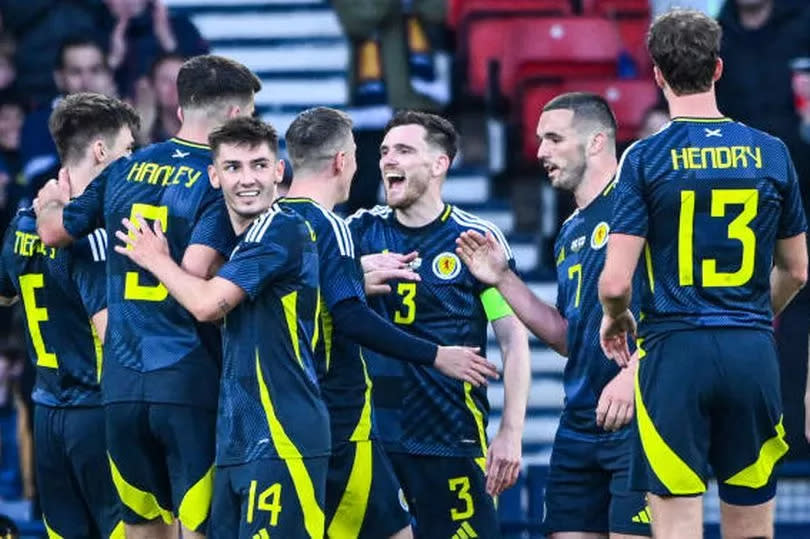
(155, 350)
(580, 254)
(418, 409)
(270, 405)
(711, 197)
(344, 381)
(60, 289)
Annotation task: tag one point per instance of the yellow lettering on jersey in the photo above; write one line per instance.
(135, 170)
(26, 244)
(163, 175)
(716, 157)
(193, 176)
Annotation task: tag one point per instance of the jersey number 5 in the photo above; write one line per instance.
(133, 289)
(738, 229)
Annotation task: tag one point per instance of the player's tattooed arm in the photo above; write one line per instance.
(487, 261)
(206, 300)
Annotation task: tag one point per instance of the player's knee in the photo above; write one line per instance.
(747, 521)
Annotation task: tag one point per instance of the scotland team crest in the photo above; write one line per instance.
(599, 236)
(446, 266)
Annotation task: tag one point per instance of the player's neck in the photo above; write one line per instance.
(702, 105)
(81, 174)
(422, 212)
(597, 177)
(319, 189)
(194, 131)
(239, 222)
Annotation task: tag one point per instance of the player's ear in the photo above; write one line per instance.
(339, 162)
(99, 150)
(212, 176)
(279, 171)
(180, 114)
(659, 78)
(597, 143)
(718, 70)
(234, 111)
(440, 165)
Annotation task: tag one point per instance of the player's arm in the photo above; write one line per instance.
(206, 300)
(488, 263)
(789, 273)
(100, 323)
(503, 457)
(61, 220)
(212, 239)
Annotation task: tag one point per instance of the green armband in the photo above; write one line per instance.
(494, 304)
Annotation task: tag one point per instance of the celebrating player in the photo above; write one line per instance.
(433, 426)
(587, 493)
(362, 495)
(718, 204)
(64, 294)
(272, 428)
(161, 368)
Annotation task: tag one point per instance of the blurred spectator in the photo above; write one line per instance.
(39, 27)
(709, 7)
(8, 72)
(156, 100)
(389, 45)
(81, 67)
(761, 39)
(11, 120)
(142, 30)
(801, 95)
(654, 119)
(16, 456)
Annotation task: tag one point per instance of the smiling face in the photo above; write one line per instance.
(408, 164)
(247, 176)
(562, 151)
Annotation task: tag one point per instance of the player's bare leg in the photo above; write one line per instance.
(745, 521)
(676, 517)
(188, 534)
(614, 535)
(157, 529)
(404, 533)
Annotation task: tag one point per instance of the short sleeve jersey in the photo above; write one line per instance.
(270, 405)
(712, 197)
(580, 256)
(418, 409)
(344, 381)
(156, 351)
(61, 290)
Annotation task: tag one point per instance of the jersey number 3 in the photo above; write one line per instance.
(407, 313)
(133, 289)
(738, 229)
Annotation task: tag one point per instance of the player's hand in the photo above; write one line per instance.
(162, 27)
(54, 192)
(613, 336)
(376, 282)
(483, 255)
(503, 461)
(143, 245)
(616, 405)
(118, 43)
(464, 363)
(388, 261)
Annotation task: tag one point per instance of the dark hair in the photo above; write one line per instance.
(8, 530)
(316, 134)
(79, 118)
(205, 81)
(439, 131)
(76, 42)
(685, 45)
(164, 57)
(244, 130)
(587, 108)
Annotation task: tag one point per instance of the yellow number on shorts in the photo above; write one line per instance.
(576, 270)
(738, 229)
(34, 316)
(132, 288)
(268, 500)
(407, 314)
(462, 485)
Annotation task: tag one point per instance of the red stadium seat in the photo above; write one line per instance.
(460, 10)
(617, 8)
(560, 48)
(534, 98)
(629, 100)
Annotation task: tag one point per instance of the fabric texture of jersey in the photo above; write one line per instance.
(157, 351)
(61, 289)
(712, 197)
(270, 404)
(418, 409)
(580, 254)
(345, 385)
